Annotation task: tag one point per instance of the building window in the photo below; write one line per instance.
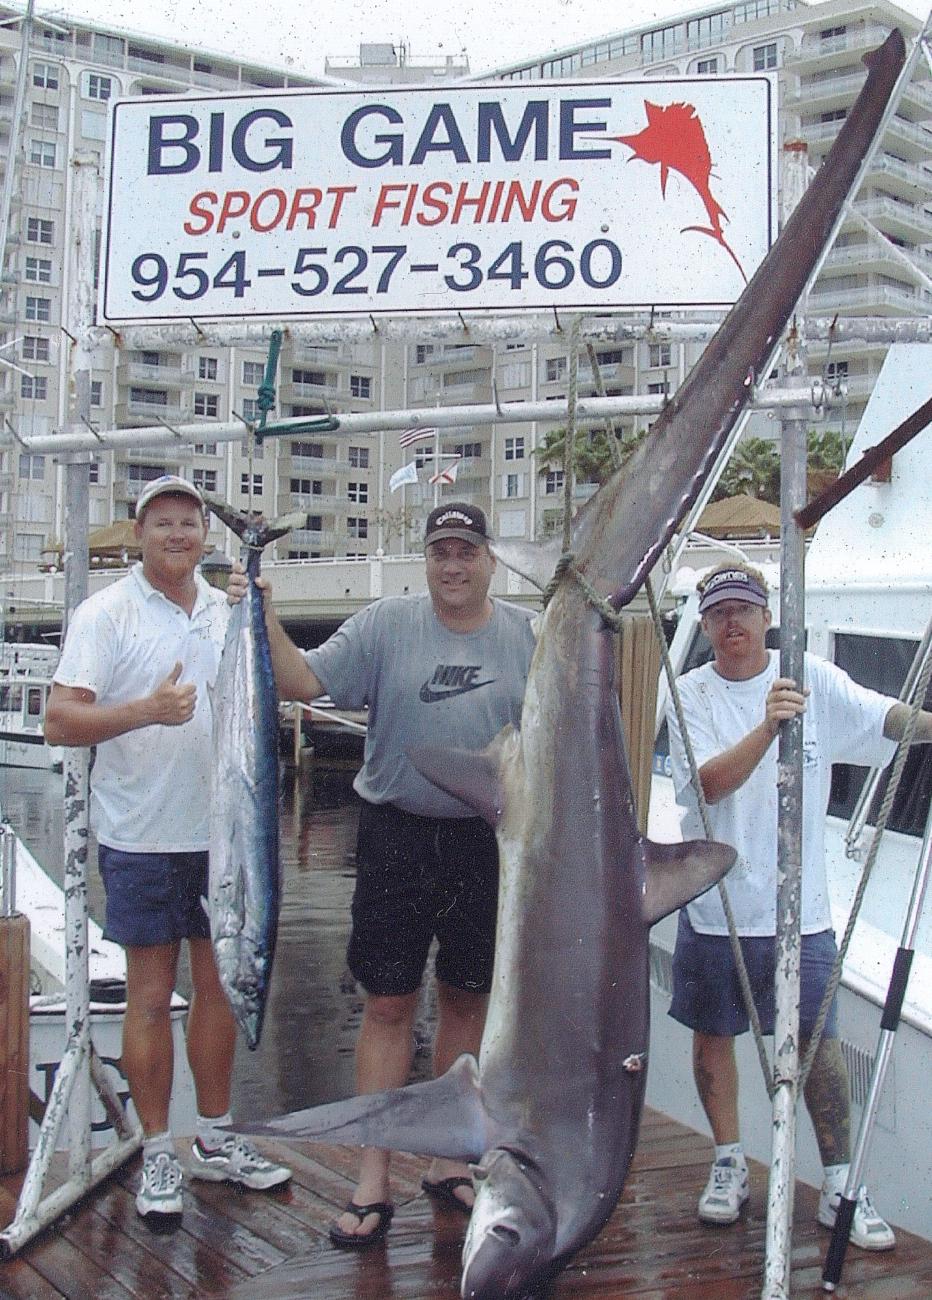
(836, 370)
(44, 116)
(250, 483)
(42, 152)
(707, 67)
(206, 404)
(45, 75)
(765, 56)
(253, 373)
(360, 386)
(659, 354)
(39, 309)
(423, 352)
(99, 87)
(39, 231)
(511, 485)
(150, 358)
(315, 378)
(615, 357)
(553, 482)
(556, 369)
(93, 472)
(149, 396)
(207, 367)
(31, 467)
(514, 449)
(657, 389)
(36, 348)
(359, 457)
(469, 450)
(205, 449)
(39, 269)
(357, 526)
(312, 450)
(97, 392)
(205, 479)
(358, 492)
(306, 487)
(250, 409)
(36, 387)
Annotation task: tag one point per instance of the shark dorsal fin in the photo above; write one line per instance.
(535, 561)
(465, 774)
(677, 873)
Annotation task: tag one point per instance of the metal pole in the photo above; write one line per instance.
(893, 1006)
(782, 1183)
(77, 1015)
(19, 96)
(7, 870)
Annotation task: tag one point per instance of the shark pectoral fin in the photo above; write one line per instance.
(442, 1117)
(466, 774)
(535, 561)
(678, 873)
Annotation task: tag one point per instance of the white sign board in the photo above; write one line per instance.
(574, 195)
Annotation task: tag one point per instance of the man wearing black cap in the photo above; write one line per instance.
(733, 708)
(444, 669)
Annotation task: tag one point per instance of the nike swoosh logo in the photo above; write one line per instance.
(429, 696)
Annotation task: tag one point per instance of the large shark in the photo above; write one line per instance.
(550, 1112)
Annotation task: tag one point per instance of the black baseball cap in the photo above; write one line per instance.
(457, 519)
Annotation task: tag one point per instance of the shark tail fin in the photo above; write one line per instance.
(535, 561)
(442, 1117)
(678, 873)
(472, 777)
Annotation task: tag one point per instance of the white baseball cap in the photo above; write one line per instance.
(167, 483)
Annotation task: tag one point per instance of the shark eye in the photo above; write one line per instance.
(506, 1234)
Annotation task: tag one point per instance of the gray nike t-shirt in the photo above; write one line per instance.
(424, 685)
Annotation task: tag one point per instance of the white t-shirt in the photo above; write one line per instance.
(843, 722)
(150, 788)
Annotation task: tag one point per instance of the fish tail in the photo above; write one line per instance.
(716, 234)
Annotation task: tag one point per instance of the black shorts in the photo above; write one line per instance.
(417, 877)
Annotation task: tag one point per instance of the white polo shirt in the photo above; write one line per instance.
(150, 788)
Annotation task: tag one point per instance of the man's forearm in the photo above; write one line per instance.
(728, 771)
(894, 724)
(77, 723)
(293, 677)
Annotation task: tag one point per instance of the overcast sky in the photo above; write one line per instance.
(295, 33)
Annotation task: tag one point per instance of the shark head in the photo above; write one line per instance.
(512, 1229)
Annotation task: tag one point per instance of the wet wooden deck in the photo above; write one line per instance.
(255, 1246)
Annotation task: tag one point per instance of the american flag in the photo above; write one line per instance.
(415, 435)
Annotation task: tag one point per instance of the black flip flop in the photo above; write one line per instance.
(444, 1192)
(355, 1240)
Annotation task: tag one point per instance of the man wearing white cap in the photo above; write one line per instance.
(733, 708)
(133, 680)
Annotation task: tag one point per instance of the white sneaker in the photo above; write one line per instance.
(237, 1161)
(868, 1229)
(725, 1192)
(160, 1188)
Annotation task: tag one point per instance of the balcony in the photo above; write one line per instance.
(872, 300)
(861, 257)
(135, 414)
(904, 220)
(833, 51)
(308, 464)
(314, 503)
(135, 372)
(825, 93)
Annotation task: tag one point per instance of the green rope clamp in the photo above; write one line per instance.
(266, 397)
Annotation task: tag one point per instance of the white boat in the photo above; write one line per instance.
(868, 603)
(25, 680)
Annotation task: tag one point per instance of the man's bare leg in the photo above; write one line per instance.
(384, 1057)
(460, 1022)
(147, 1058)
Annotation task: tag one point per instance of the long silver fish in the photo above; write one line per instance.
(245, 877)
(553, 1107)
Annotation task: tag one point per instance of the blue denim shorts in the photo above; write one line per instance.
(707, 995)
(153, 898)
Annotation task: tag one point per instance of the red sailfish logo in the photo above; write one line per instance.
(675, 138)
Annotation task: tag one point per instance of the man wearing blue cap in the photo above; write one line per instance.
(733, 707)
